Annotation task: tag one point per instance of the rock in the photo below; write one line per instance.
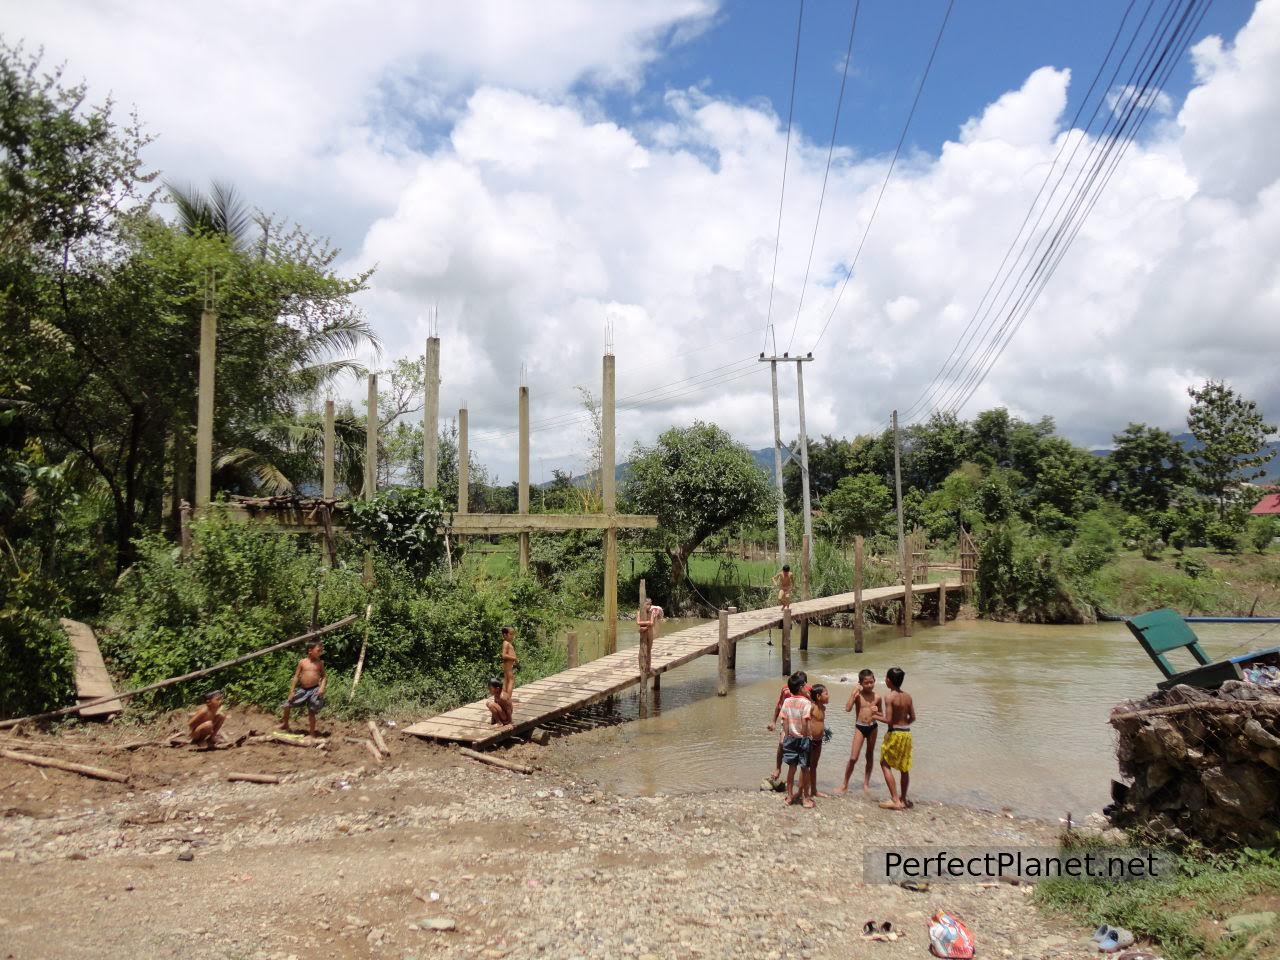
(1243, 923)
(1243, 790)
(438, 923)
(186, 856)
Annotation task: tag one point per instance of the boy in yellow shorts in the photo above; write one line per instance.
(899, 713)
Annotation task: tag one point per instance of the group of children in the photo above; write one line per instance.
(802, 710)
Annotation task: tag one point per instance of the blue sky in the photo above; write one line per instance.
(989, 47)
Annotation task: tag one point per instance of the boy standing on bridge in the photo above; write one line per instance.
(796, 711)
(899, 712)
(647, 619)
(783, 579)
(509, 661)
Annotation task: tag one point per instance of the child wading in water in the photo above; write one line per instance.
(783, 579)
(899, 713)
(307, 687)
(796, 710)
(870, 705)
(817, 735)
(777, 709)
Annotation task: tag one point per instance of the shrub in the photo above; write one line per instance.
(403, 523)
(1222, 536)
(37, 662)
(1260, 532)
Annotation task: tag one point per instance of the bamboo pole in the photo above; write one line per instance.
(368, 615)
(253, 777)
(380, 743)
(98, 773)
(195, 674)
(942, 603)
(494, 761)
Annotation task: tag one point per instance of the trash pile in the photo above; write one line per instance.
(1204, 764)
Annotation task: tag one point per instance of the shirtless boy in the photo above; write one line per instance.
(207, 721)
(499, 703)
(783, 579)
(869, 704)
(817, 735)
(647, 619)
(899, 713)
(307, 687)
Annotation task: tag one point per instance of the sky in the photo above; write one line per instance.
(535, 173)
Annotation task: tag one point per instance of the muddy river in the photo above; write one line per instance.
(1010, 715)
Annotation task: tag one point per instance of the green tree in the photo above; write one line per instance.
(1232, 438)
(933, 449)
(828, 462)
(858, 505)
(697, 481)
(1144, 468)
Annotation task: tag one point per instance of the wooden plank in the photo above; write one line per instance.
(92, 681)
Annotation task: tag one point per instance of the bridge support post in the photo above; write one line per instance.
(942, 603)
(804, 634)
(370, 460)
(908, 597)
(722, 671)
(858, 612)
(733, 646)
(522, 490)
(571, 648)
(786, 642)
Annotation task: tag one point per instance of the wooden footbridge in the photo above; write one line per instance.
(543, 700)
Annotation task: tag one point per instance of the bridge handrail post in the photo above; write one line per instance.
(722, 672)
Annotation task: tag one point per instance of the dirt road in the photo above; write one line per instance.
(347, 859)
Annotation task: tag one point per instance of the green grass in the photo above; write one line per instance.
(1178, 911)
(1230, 584)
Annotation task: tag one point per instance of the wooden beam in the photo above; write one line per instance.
(942, 603)
(549, 522)
(204, 404)
(571, 649)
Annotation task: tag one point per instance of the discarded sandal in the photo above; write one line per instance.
(1115, 940)
(918, 886)
(873, 926)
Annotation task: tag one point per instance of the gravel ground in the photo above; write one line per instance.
(347, 859)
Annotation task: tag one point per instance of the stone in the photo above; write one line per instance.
(440, 924)
(186, 856)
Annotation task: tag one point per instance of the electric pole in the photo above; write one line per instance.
(799, 452)
(897, 483)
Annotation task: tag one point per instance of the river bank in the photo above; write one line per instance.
(344, 859)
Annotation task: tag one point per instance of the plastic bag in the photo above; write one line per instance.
(949, 937)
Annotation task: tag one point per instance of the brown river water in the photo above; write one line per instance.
(1009, 715)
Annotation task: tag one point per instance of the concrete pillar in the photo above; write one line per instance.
(464, 463)
(326, 486)
(804, 466)
(523, 490)
(733, 647)
(609, 491)
(431, 418)
(204, 405)
(777, 467)
(858, 611)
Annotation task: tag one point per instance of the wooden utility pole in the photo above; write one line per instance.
(804, 463)
(523, 489)
(903, 559)
(609, 494)
(326, 486)
(858, 611)
(204, 402)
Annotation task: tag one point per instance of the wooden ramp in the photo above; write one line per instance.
(578, 687)
(92, 681)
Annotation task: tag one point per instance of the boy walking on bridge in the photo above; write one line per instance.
(784, 582)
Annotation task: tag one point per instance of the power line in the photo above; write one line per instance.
(1085, 198)
(786, 156)
(835, 125)
(927, 394)
(889, 173)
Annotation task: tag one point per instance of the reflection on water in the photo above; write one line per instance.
(1009, 714)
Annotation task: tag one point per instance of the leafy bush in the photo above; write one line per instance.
(430, 641)
(37, 662)
(1260, 532)
(1222, 536)
(1030, 579)
(403, 523)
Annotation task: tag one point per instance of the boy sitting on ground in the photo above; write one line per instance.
(899, 713)
(499, 704)
(207, 721)
(307, 687)
(795, 739)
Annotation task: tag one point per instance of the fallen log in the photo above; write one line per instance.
(494, 761)
(373, 750)
(254, 777)
(1208, 706)
(195, 674)
(377, 739)
(98, 773)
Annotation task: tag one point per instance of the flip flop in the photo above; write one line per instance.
(1117, 939)
(1100, 933)
(919, 886)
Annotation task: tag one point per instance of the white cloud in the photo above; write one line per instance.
(530, 219)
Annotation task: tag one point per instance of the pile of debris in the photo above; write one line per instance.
(1204, 764)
